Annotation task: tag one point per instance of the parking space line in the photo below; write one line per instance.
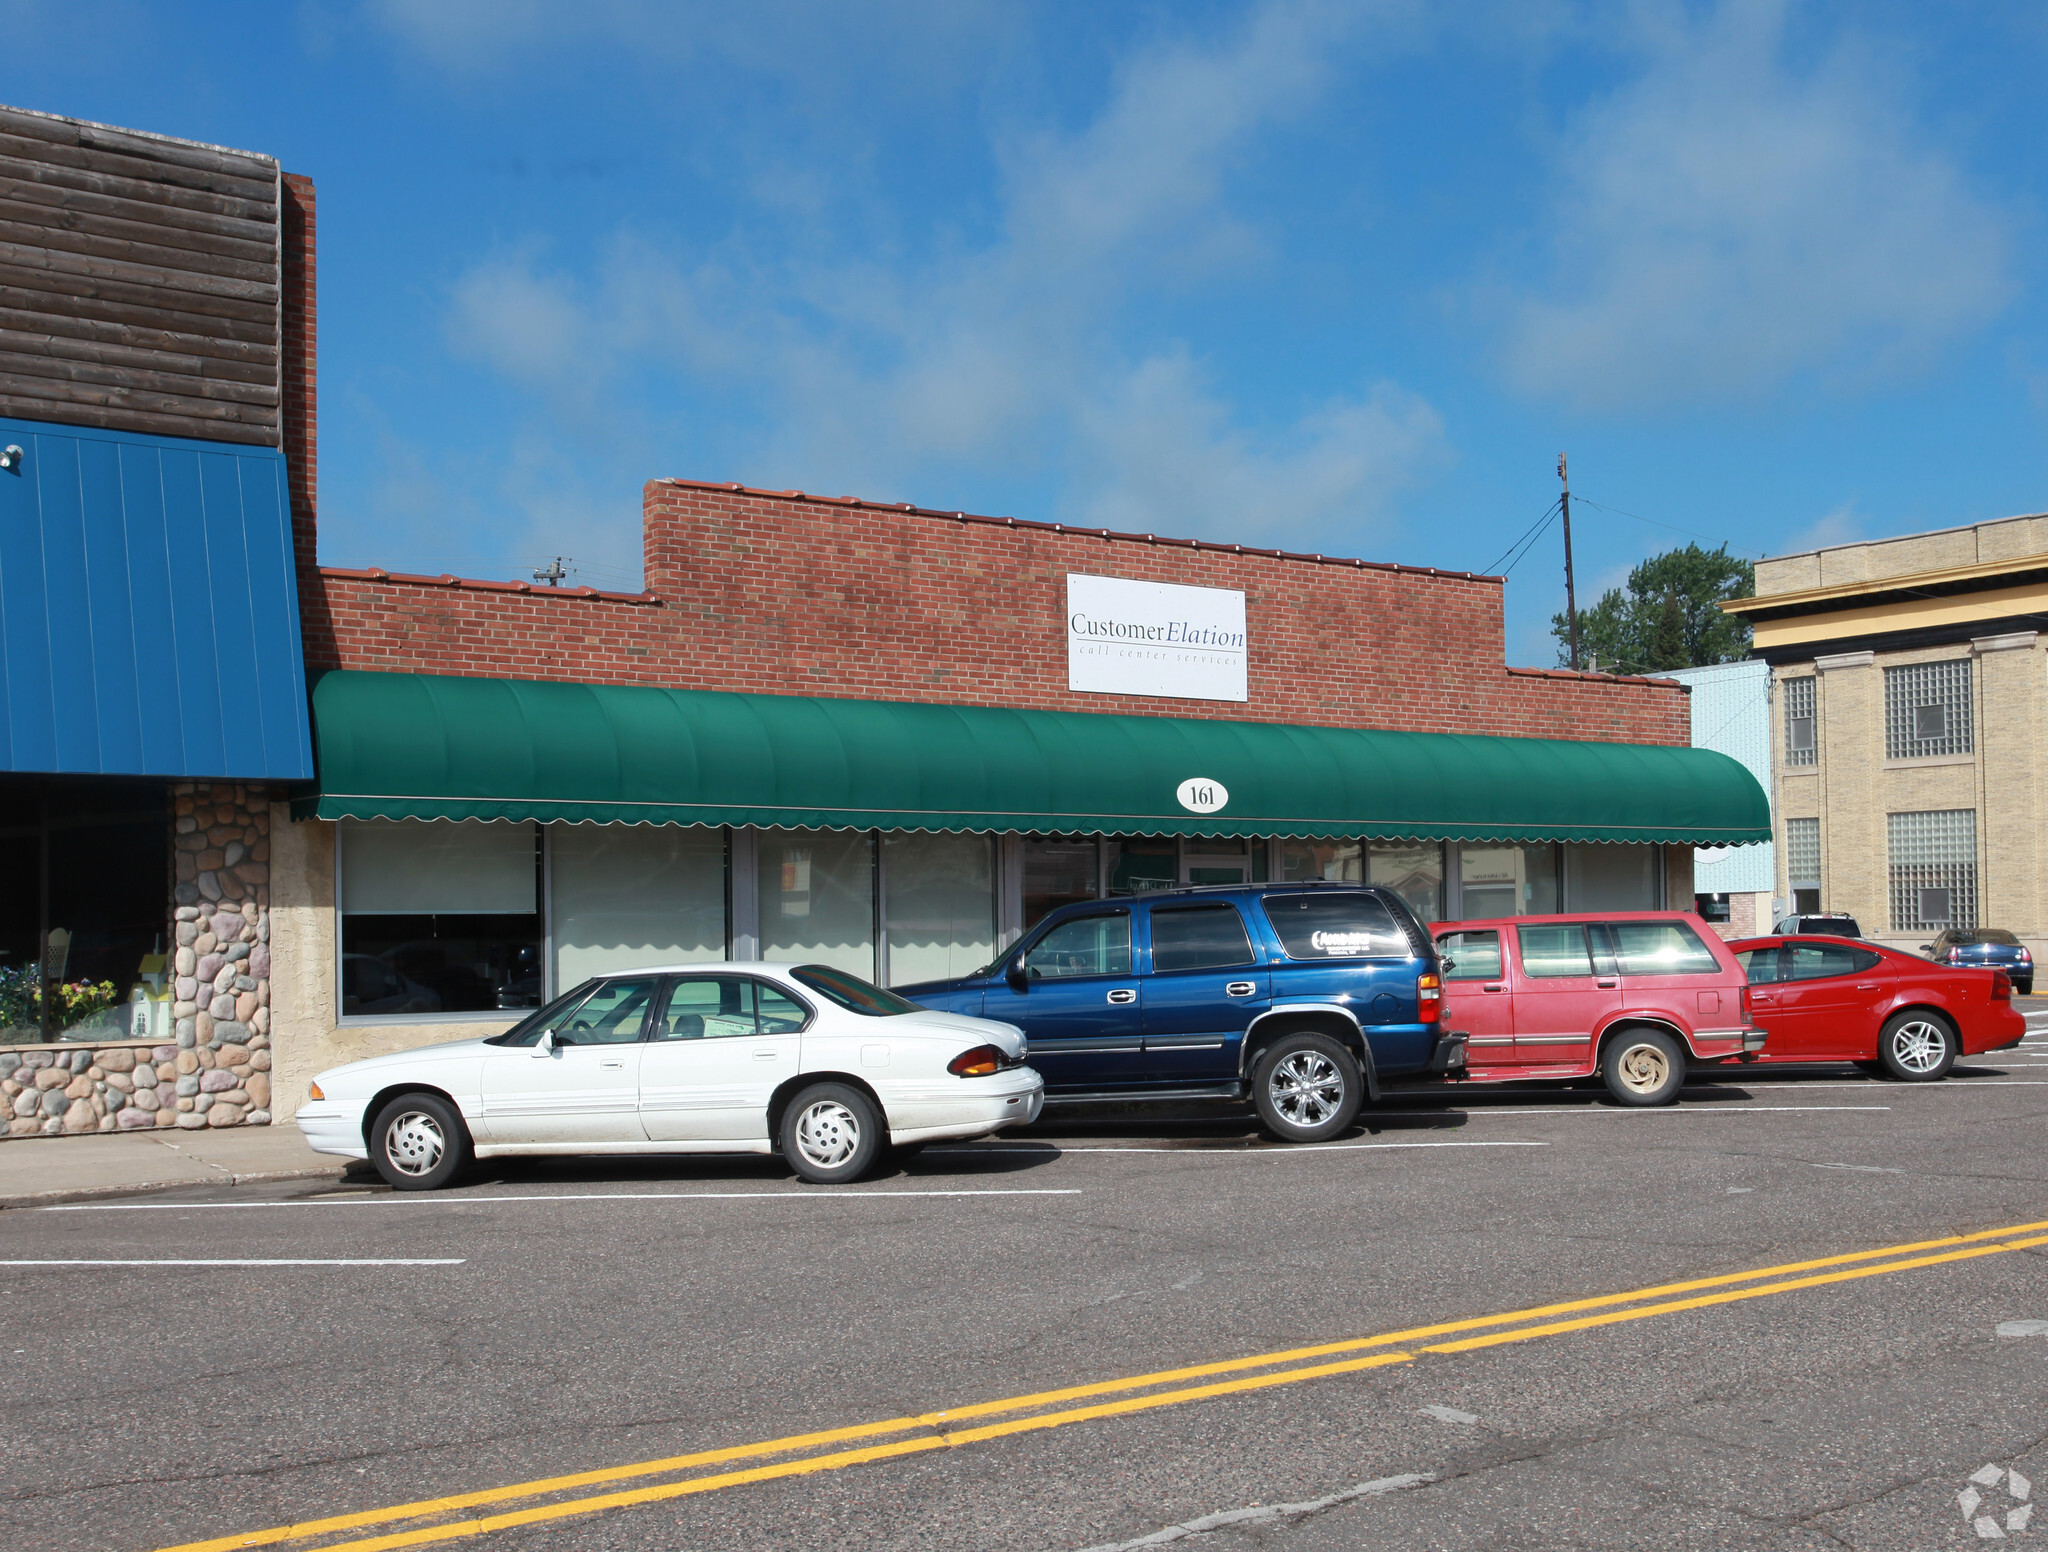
(409, 1199)
(926, 1428)
(1624, 1110)
(225, 1261)
(1266, 1150)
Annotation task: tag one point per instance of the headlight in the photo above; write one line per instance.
(314, 1092)
(981, 1062)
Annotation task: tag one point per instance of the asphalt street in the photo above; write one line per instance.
(1376, 1360)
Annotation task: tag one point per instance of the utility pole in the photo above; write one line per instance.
(1571, 596)
(551, 574)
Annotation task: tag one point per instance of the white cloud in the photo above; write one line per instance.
(1732, 221)
(895, 377)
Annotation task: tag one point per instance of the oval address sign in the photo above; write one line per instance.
(1200, 795)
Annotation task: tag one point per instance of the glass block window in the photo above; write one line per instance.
(1800, 740)
(1934, 870)
(1802, 853)
(1927, 710)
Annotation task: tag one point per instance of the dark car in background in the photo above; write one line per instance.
(1301, 997)
(1825, 924)
(1985, 948)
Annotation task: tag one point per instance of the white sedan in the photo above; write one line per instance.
(803, 1060)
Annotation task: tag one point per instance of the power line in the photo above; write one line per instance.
(1588, 501)
(1522, 544)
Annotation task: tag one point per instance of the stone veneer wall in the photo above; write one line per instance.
(53, 1091)
(221, 931)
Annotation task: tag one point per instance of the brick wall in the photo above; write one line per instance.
(781, 593)
(300, 355)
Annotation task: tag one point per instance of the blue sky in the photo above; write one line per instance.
(1332, 277)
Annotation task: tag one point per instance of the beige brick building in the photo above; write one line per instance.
(1909, 692)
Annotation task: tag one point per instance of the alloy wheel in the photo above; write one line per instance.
(414, 1143)
(1644, 1068)
(827, 1133)
(1919, 1046)
(1306, 1088)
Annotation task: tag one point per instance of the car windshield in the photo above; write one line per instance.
(851, 992)
(528, 1029)
(1996, 935)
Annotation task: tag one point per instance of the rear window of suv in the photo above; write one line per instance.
(1661, 948)
(1336, 926)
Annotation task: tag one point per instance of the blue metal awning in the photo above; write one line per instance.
(149, 608)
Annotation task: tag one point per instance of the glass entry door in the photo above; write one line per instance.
(1217, 860)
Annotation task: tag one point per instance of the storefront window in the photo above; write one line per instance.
(1414, 870)
(84, 896)
(939, 902)
(817, 898)
(1338, 861)
(1139, 864)
(1058, 870)
(623, 896)
(439, 916)
(1616, 876)
(1507, 881)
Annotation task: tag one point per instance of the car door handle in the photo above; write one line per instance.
(612, 1066)
(1123, 995)
(1604, 983)
(1494, 986)
(1238, 989)
(764, 1054)
(1866, 986)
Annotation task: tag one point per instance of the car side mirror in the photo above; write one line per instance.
(1015, 974)
(1449, 964)
(545, 1045)
(1927, 948)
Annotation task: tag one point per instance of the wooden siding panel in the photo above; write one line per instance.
(124, 237)
(178, 205)
(19, 313)
(140, 281)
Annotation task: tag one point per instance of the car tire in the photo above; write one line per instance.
(1307, 1087)
(418, 1143)
(2023, 988)
(1917, 1047)
(831, 1133)
(1643, 1067)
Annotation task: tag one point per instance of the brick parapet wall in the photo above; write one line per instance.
(783, 594)
(299, 359)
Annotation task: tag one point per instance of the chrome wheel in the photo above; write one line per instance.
(414, 1143)
(1919, 1047)
(827, 1133)
(1306, 1088)
(1644, 1069)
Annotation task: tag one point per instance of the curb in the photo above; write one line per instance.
(153, 1187)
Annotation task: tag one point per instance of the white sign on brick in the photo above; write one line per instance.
(1155, 638)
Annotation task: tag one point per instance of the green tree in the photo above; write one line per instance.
(1666, 617)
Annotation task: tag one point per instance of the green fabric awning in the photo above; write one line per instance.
(417, 746)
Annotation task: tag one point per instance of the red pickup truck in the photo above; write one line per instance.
(1632, 995)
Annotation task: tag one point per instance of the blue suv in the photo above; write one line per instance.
(1303, 995)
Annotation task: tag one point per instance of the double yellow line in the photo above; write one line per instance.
(446, 1519)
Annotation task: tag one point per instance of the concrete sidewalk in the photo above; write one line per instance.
(36, 1171)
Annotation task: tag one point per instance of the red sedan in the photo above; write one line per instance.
(1840, 1000)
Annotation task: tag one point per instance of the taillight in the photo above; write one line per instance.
(2001, 986)
(1429, 994)
(1745, 1002)
(977, 1063)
